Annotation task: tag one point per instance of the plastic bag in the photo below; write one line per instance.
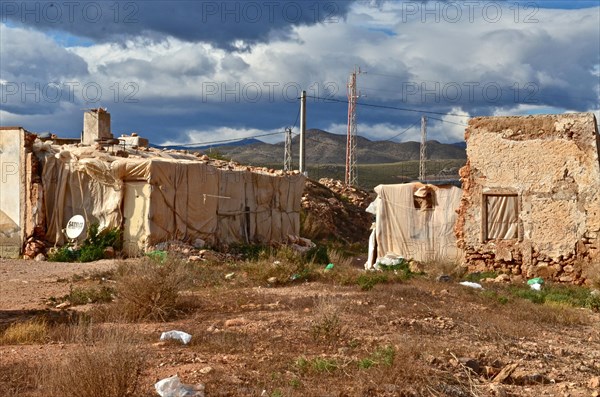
(470, 284)
(172, 387)
(180, 336)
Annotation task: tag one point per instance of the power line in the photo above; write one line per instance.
(403, 132)
(389, 107)
(227, 140)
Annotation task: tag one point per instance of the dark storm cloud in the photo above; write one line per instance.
(218, 22)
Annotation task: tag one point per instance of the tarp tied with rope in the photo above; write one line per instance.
(170, 198)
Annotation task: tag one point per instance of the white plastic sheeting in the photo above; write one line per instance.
(413, 224)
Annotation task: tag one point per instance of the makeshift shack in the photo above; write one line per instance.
(414, 221)
(531, 195)
(153, 195)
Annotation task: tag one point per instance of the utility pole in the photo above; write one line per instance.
(351, 177)
(302, 161)
(287, 155)
(423, 148)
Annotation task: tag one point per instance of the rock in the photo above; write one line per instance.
(199, 243)
(205, 370)
(195, 258)
(522, 378)
(444, 278)
(63, 305)
(272, 280)
(40, 257)
(505, 373)
(470, 363)
(109, 253)
(503, 278)
(236, 322)
(594, 383)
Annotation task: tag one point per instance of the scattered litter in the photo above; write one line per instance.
(390, 262)
(537, 280)
(157, 255)
(329, 267)
(295, 277)
(229, 276)
(444, 278)
(180, 336)
(536, 286)
(536, 283)
(172, 387)
(470, 284)
(272, 280)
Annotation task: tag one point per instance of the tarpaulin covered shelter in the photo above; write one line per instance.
(162, 195)
(414, 221)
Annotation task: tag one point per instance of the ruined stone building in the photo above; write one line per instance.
(153, 195)
(531, 195)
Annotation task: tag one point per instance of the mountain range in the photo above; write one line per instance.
(323, 147)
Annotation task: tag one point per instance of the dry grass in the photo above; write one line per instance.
(28, 332)
(327, 324)
(109, 368)
(151, 290)
(19, 378)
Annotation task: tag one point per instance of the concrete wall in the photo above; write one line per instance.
(551, 163)
(96, 125)
(12, 184)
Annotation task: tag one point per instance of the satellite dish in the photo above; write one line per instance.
(75, 226)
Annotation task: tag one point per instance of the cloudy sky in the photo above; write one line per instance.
(199, 71)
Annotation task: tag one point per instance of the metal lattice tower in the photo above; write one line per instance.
(351, 177)
(423, 148)
(287, 155)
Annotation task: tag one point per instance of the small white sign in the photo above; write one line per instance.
(75, 226)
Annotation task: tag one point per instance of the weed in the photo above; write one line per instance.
(82, 296)
(478, 276)
(495, 296)
(302, 364)
(327, 324)
(319, 364)
(110, 368)
(368, 280)
(150, 290)
(63, 254)
(92, 248)
(28, 332)
(317, 254)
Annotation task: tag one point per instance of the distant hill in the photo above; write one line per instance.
(326, 148)
(243, 142)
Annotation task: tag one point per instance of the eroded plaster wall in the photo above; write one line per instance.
(551, 163)
(11, 191)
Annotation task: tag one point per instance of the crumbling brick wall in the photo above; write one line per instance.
(550, 166)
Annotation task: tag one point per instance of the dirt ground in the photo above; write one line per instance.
(417, 337)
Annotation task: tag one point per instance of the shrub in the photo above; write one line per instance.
(92, 248)
(150, 290)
